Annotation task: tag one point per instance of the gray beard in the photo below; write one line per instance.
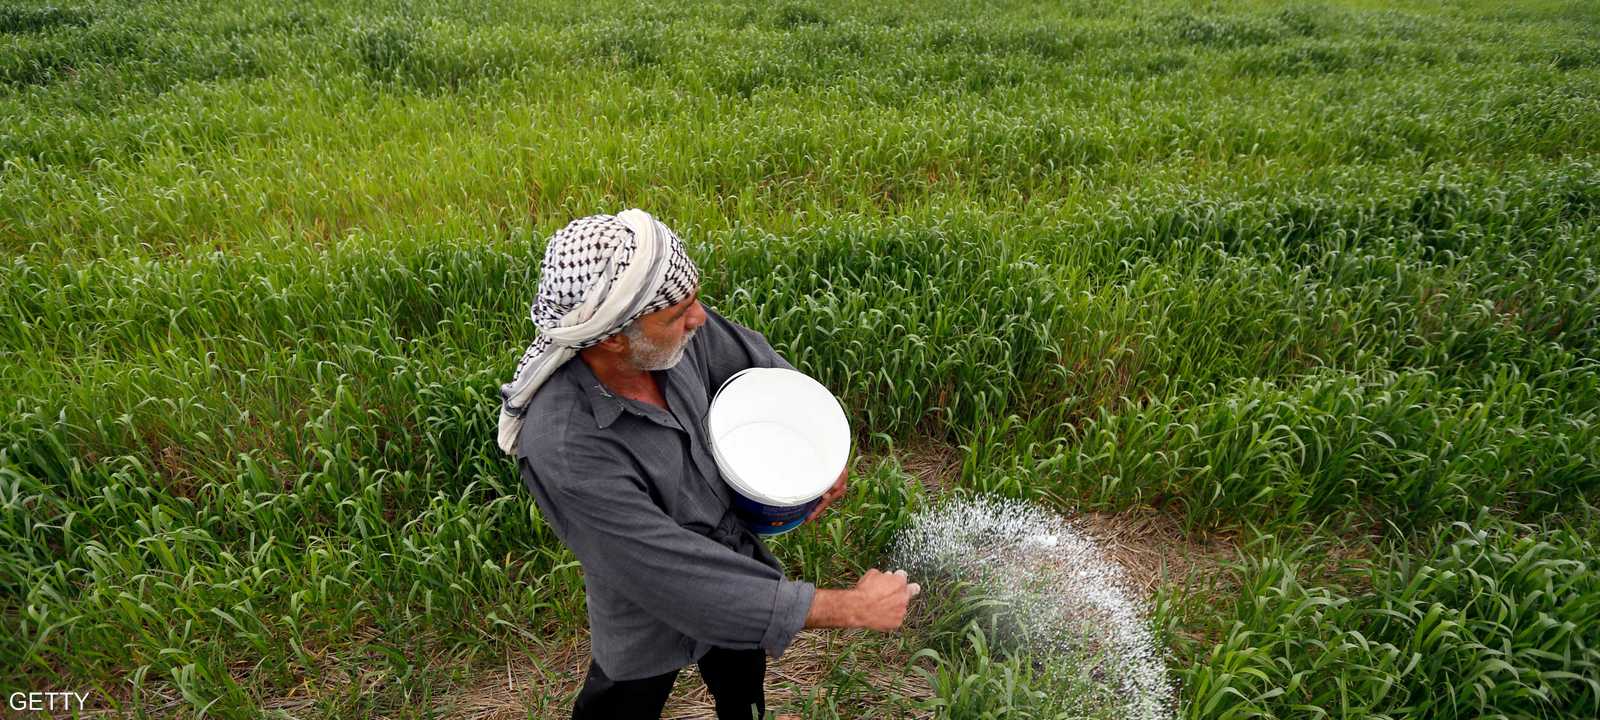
(646, 355)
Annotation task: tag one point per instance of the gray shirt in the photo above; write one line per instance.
(632, 489)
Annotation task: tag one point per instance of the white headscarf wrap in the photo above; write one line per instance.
(599, 273)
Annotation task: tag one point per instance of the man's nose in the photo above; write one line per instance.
(697, 316)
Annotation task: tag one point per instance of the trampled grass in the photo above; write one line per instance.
(1310, 271)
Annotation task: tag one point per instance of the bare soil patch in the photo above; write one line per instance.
(545, 687)
(935, 465)
(1154, 550)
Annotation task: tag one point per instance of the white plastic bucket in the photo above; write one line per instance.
(781, 440)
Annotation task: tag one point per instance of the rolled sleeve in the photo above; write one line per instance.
(688, 581)
(789, 609)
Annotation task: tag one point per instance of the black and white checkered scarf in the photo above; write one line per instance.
(599, 273)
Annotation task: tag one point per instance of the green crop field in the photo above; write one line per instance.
(1317, 284)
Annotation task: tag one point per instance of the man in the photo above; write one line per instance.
(606, 419)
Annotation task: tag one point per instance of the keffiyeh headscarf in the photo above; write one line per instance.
(599, 273)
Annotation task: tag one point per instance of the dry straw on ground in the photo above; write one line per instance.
(546, 686)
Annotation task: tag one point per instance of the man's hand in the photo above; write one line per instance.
(877, 602)
(884, 597)
(833, 493)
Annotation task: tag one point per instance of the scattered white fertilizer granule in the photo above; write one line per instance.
(1049, 591)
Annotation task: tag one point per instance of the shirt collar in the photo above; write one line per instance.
(605, 404)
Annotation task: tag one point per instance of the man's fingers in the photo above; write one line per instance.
(820, 508)
(832, 494)
(914, 588)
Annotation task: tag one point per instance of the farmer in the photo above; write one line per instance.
(606, 417)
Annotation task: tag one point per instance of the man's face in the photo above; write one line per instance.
(656, 341)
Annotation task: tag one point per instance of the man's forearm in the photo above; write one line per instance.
(877, 602)
(832, 609)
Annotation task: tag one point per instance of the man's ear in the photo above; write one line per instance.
(617, 343)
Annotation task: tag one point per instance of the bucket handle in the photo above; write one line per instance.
(731, 378)
(707, 421)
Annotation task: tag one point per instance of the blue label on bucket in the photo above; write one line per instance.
(766, 519)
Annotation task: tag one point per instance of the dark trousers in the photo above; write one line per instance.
(734, 677)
